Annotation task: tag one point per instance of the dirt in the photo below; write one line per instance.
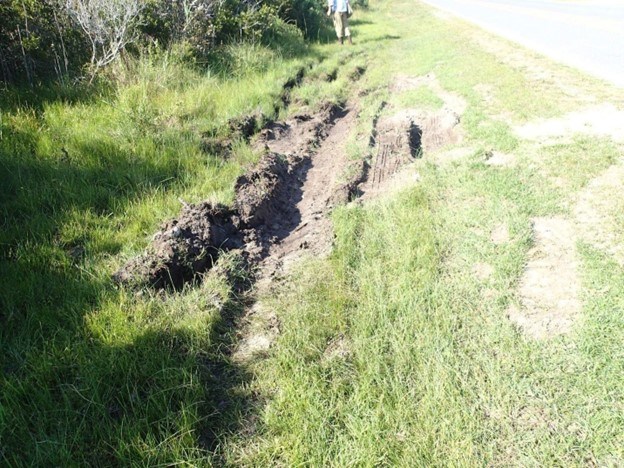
(270, 217)
(322, 187)
(500, 234)
(258, 330)
(338, 348)
(409, 134)
(264, 194)
(289, 85)
(282, 206)
(240, 128)
(594, 210)
(183, 247)
(428, 131)
(549, 288)
(496, 158)
(482, 271)
(603, 120)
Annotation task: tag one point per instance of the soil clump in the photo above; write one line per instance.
(265, 213)
(183, 247)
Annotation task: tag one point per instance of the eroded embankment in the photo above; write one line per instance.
(264, 212)
(282, 204)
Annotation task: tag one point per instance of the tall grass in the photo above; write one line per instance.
(92, 373)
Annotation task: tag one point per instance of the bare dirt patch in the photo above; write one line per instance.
(500, 234)
(259, 328)
(267, 207)
(604, 120)
(482, 271)
(498, 159)
(280, 212)
(395, 141)
(400, 139)
(338, 348)
(321, 186)
(183, 247)
(595, 209)
(549, 288)
(432, 131)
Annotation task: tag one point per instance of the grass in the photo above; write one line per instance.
(92, 373)
(393, 350)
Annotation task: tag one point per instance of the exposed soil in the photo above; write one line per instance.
(183, 247)
(240, 128)
(496, 158)
(482, 271)
(282, 204)
(338, 348)
(595, 211)
(603, 120)
(290, 85)
(429, 132)
(269, 217)
(395, 141)
(401, 138)
(322, 186)
(500, 234)
(549, 288)
(258, 329)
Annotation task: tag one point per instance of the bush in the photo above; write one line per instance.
(38, 41)
(42, 39)
(306, 14)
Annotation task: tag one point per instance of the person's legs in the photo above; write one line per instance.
(345, 24)
(339, 26)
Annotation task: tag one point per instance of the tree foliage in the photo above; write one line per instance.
(38, 39)
(109, 26)
(57, 39)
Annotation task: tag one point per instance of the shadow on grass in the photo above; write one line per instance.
(14, 97)
(118, 392)
(385, 37)
(88, 376)
(359, 22)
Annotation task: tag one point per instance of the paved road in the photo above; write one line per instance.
(588, 35)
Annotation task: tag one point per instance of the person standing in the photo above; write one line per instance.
(341, 10)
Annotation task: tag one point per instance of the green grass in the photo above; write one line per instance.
(392, 350)
(92, 373)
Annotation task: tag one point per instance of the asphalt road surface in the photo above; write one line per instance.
(585, 34)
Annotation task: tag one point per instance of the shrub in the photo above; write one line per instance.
(38, 41)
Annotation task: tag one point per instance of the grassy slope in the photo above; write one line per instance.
(92, 373)
(422, 367)
(393, 351)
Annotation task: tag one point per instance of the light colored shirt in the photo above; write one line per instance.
(339, 5)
